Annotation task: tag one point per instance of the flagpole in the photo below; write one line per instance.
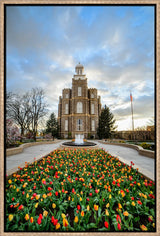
(132, 111)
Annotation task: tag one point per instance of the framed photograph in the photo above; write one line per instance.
(80, 117)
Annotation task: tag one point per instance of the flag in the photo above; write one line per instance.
(131, 97)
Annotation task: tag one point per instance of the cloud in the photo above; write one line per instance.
(115, 45)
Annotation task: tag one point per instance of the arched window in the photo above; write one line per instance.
(92, 95)
(66, 108)
(79, 125)
(92, 108)
(66, 125)
(93, 125)
(79, 107)
(79, 91)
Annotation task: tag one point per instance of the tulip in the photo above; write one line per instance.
(88, 208)
(26, 217)
(96, 207)
(20, 207)
(143, 228)
(107, 205)
(76, 219)
(63, 215)
(119, 206)
(118, 218)
(39, 221)
(37, 197)
(119, 226)
(106, 224)
(31, 219)
(58, 225)
(150, 218)
(36, 205)
(53, 205)
(45, 213)
(125, 213)
(10, 217)
(106, 212)
(78, 207)
(82, 213)
(65, 222)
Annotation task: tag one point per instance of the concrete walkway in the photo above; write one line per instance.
(145, 164)
(125, 154)
(29, 154)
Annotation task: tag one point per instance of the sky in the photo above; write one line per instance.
(115, 44)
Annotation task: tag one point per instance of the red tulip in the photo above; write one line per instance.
(118, 218)
(39, 221)
(106, 224)
(56, 193)
(78, 207)
(119, 226)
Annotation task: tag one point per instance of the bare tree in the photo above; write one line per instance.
(17, 109)
(38, 108)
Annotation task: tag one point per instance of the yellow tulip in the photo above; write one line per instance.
(143, 228)
(63, 215)
(26, 217)
(37, 197)
(10, 217)
(44, 196)
(106, 212)
(9, 181)
(133, 203)
(53, 205)
(125, 213)
(107, 205)
(36, 205)
(76, 219)
(119, 206)
(45, 213)
(27, 195)
(110, 196)
(65, 222)
(88, 208)
(58, 225)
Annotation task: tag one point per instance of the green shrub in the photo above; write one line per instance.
(145, 145)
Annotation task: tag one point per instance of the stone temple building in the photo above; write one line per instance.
(79, 108)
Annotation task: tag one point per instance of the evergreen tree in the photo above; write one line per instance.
(52, 126)
(106, 123)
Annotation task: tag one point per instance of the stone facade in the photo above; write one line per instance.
(79, 108)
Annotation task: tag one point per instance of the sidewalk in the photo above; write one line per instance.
(145, 165)
(29, 154)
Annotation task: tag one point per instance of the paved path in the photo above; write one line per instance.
(29, 154)
(145, 164)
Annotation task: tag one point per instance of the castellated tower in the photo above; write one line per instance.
(79, 108)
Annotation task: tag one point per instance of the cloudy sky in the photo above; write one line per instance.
(114, 43)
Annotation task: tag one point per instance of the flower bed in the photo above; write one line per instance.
(79, 190)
